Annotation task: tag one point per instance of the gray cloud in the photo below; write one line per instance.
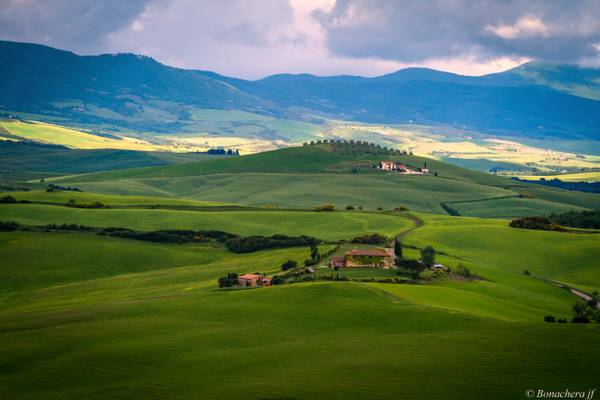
(80, 25)
(417, 30)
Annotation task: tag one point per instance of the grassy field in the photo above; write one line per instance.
(159, 329)
(329, 226)
(56, 134)
(90, 316)
(295, 177)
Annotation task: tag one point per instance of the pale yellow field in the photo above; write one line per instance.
(579, 177)
(55, 134)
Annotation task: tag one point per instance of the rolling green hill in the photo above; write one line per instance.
(114, 316)
(342, 174)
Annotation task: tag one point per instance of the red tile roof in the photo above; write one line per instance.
(249, 276)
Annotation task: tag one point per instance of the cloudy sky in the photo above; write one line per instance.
(255, 38)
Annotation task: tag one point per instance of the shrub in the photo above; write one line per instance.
(349, 207)
(580, 319)
(462, 271)
(562, 320)
(549, 318)
(401, 208)
(9, 226)
(325, 207)
(540, 223)
(379, 208)
(289, 264)
(310, 262)
(526, 272)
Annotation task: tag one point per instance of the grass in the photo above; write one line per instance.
(329, 226)
(511, 207)
(296, 178)
(166, 332)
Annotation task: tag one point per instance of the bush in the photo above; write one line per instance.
(379, 208)
(549, 318)
(562, 321)
(9, 226)
(375, 238)
(539, 223)
(310, 262)
(580, 319)
(349, 207)
(526, 272)
(325, 207)
(462, 271)
(401, 208)
(289, 264)
(8, 200)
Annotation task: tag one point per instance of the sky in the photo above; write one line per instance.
(255, 38)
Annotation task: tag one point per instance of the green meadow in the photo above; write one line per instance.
(303, 177)
(95, 317)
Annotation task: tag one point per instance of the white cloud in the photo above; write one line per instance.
(525, 27)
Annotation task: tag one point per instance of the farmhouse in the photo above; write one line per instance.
(401, 168)
(363, 258)
(253, 280)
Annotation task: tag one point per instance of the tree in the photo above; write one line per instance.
(549, 318)
(314, 253)
(415, 267)
(8, 199)
(428, 256)
(349, 207)
(289, 264)
(231, 279)
(398, 248)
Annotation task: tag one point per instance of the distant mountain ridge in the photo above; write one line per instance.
(138, 93)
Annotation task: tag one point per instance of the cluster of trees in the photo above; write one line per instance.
(253, 243)
(178, 236)
(350, 207)
(584, 312)
(325, 207)
(52, 188)
(358, 145)
(315, 257)
(540, 223)
(374, 238)
(414, 267)
(222, 151)
(9, 226)
(577, 219)
(11, 200)
(68, 227)
(229, 280)
(94, 204)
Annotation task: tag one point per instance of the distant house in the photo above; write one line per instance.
(387, 165)
(439, 267)
(253, 280)
(363, 258)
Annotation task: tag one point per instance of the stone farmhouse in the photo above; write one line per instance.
(253, 280)
(382, 258)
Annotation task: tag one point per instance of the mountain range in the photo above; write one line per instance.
(133, 92)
